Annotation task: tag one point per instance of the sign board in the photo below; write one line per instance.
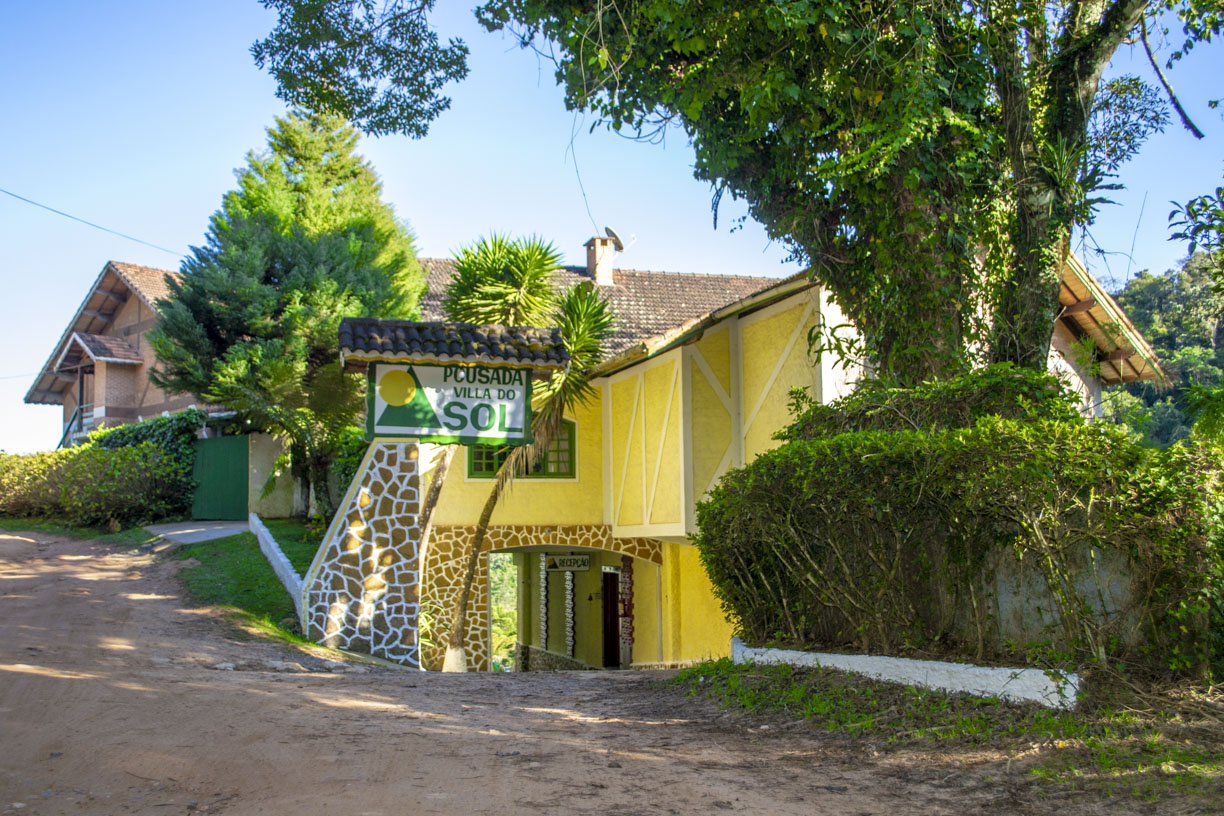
(486, 405)
(567, 563)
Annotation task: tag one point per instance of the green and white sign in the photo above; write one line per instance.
(485, 405)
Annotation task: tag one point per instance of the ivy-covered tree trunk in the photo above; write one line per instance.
(1046, 92)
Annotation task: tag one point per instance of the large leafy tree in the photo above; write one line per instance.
(499, 280)
(304, 241)
(927, 159)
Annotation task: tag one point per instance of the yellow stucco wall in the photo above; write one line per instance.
(664, 462)
(766, 388)
(710, 414)
(627, 460)
(647, 463)
(530, 501)
(693, 626)
(646, 630)
(262, 452)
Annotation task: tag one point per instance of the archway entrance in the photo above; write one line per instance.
(559, 612)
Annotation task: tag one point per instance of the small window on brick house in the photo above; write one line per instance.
(558, 463)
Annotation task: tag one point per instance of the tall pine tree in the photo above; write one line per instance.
(304, 241)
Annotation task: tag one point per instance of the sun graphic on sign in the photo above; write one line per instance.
(396, 387)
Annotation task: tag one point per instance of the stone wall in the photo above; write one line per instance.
(533, 658)
(445, 563)
(362, 591)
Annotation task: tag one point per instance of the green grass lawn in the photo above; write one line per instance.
(297, 539)
(1139, 749)
(233, 572)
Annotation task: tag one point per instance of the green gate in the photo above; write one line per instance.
(221, 478)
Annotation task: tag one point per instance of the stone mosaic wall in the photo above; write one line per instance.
(626, 604)
(362, 591)
(569, 613)
(444, 565)
(533, 658)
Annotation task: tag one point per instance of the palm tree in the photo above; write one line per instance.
(497, 281)
(585, 320)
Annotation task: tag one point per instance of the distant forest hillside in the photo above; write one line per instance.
(1179, 314)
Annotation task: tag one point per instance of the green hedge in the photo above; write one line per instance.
(889, 541)
(1001, 389)
(129, 485)
(129, 474)
(30, 484)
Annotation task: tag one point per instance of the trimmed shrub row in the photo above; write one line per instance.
(963, 538)
(127, 475)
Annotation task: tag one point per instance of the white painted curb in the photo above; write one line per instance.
(1018, 685)
(280, 562)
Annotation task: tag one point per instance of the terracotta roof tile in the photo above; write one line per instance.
(363, 339)
(104, 347)
(646, 304)
(149, 282)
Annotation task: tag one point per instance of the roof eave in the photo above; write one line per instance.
(356, 360)
(1108, 311)
(661, 343)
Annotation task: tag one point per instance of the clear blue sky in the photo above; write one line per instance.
(134, 115)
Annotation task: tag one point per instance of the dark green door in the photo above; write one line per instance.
(221, 478)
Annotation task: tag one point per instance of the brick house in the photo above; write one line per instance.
(99, 369)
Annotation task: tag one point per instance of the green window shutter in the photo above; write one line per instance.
(483, 461)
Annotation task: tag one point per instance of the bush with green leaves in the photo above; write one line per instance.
(30, 483)
(351, 447)
(175, 436)
(891, 541)
(133, 484)
(1001, 389)
(127, 474)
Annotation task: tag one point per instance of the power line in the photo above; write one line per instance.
(90, 223)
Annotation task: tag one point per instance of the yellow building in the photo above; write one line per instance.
(600, 535)
(698, 383)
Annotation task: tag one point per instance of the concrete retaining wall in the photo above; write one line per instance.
(1017, 685)
(280, 562)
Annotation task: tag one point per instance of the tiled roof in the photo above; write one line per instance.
(101, 347)
(366, 339)
(646, 304)
(109, 291)
(148, 282)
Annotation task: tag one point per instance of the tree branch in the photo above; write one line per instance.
(1177, 106)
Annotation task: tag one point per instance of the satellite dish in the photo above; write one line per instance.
(616, 239)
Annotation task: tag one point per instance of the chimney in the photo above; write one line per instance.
(600, 252)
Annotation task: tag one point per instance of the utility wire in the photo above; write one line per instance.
(90, 223)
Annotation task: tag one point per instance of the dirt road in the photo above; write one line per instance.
(116, 697)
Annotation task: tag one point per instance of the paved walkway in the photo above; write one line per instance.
(191, 532)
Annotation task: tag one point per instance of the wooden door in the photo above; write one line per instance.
(611, 620)
(221, 478)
